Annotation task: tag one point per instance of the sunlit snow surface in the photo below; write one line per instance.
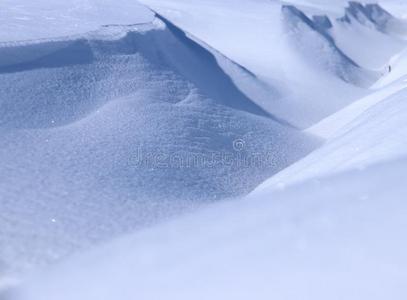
(114, 117)
(341, 237)
(42, 19)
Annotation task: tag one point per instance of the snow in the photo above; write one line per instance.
(204, 149)
(123, 127)
(332, 124)
(395, 7)
(399, 65)
(377, 134)
(354, 38)
(43, 19)
(344, 239)
(267, 47)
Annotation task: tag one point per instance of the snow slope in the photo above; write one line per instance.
(343, 239)
(44, 19)
(317, 47)
(365, 38)
(374, 130)
(288, 47)
(113, 118)
(368, 131)
(399, 67)
(331, 125)
(124, 126)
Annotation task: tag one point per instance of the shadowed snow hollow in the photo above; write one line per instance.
(118, 127)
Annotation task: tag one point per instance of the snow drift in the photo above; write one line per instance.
(120, 127)
(108, 127)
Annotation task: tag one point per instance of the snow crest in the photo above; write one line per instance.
(122, 127)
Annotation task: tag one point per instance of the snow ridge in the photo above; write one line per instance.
(314, 42)
(371, 15)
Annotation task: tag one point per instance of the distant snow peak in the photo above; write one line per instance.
(313, 41)
(371, 15)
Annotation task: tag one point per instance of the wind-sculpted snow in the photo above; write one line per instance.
(97, 70)
(314, 43)
(313, 70)
(293, 50)
(122, 127)
(372, 15)
(369, 47)
(115, 117)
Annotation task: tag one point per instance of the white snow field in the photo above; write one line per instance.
(203, 149)
(45, 19)
(340, 238)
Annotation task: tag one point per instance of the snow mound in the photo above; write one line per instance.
(312, 39)
(95, 71)
(121, 127)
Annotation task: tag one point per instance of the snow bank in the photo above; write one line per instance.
(112, 119)
(122, 127)
(340, 238)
